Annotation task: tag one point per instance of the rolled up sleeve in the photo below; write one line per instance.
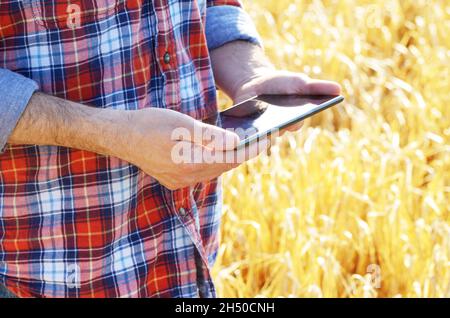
(226, 21)
(15, 91)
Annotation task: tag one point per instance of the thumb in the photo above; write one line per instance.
(322, 87)
(216, 138)
(210, 136)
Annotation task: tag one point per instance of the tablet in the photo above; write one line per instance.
(264, 115)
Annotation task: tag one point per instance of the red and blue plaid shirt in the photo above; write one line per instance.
(78, 224)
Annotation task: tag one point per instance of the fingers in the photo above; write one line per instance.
(196, 163)
(285, 82)
(249, 152)
(218, 139)
(212, 137)
(226, 160)
(321, 87)
(232, 159)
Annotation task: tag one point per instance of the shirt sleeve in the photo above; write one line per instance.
(226, 21)
(15, 91)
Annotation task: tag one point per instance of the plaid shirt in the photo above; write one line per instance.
(77, 224)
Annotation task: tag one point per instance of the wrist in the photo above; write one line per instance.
(98, 130)
(238, 63)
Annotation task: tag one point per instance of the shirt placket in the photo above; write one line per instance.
(180, 200)
(166, 55)
(181, 203)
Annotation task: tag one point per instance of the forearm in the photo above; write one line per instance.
(146, 138)
(236, 63)
(49, 120)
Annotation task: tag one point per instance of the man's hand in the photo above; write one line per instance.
(146, 138)
(243, 71)
(155, 135)
(284, 83)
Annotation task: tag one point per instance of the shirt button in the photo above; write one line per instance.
(167, 58)
(182, 211)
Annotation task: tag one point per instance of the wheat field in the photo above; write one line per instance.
(356, 204)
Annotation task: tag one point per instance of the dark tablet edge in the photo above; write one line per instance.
(246, 142)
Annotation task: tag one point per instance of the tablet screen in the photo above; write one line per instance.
(266, 114)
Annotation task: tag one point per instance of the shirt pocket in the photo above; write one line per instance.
(72, 14)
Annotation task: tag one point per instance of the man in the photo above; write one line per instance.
(91, 202)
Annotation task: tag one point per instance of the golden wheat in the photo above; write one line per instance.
(357, 203)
